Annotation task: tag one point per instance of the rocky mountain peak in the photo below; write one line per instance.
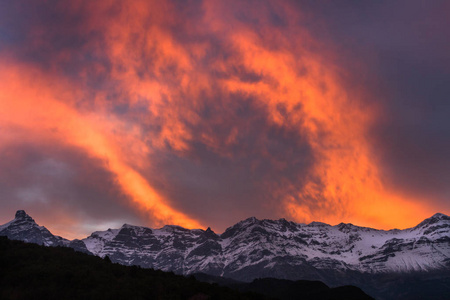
(436, 218)
(346, 227)
(440, 216)
(239, 227)
(210, 232)
(22, 215)
(249, 221)
(24, 228)
(318, 224)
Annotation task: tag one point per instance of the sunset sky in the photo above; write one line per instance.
(204, 113)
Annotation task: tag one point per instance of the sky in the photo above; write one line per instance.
(205, 113)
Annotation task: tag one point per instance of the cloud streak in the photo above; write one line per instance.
(66, 126)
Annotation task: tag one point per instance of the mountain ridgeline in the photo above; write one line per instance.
(29, 271)
(383, 263)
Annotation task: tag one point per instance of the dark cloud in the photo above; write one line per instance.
(232, 173)
(403, 44)
(54, 183)
(217, 153)
(53, 36)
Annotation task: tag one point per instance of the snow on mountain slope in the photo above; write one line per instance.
(24, 228)
(262, 246)
(256, 248)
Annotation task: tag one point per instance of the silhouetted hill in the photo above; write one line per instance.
(287, 289)
(309, 290)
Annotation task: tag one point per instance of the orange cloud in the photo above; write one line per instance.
(174, 68)
(34, 103)
(345, 183)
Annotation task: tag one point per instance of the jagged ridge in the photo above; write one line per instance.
(260, 248)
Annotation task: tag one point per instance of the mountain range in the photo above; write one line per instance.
(337, 255)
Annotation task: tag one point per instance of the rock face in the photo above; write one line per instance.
(262, 248)
(266, 248)
(24, 228)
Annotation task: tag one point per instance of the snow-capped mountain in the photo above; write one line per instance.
(262, 248)
(24, 228)
(259, 248)
(394, 264)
